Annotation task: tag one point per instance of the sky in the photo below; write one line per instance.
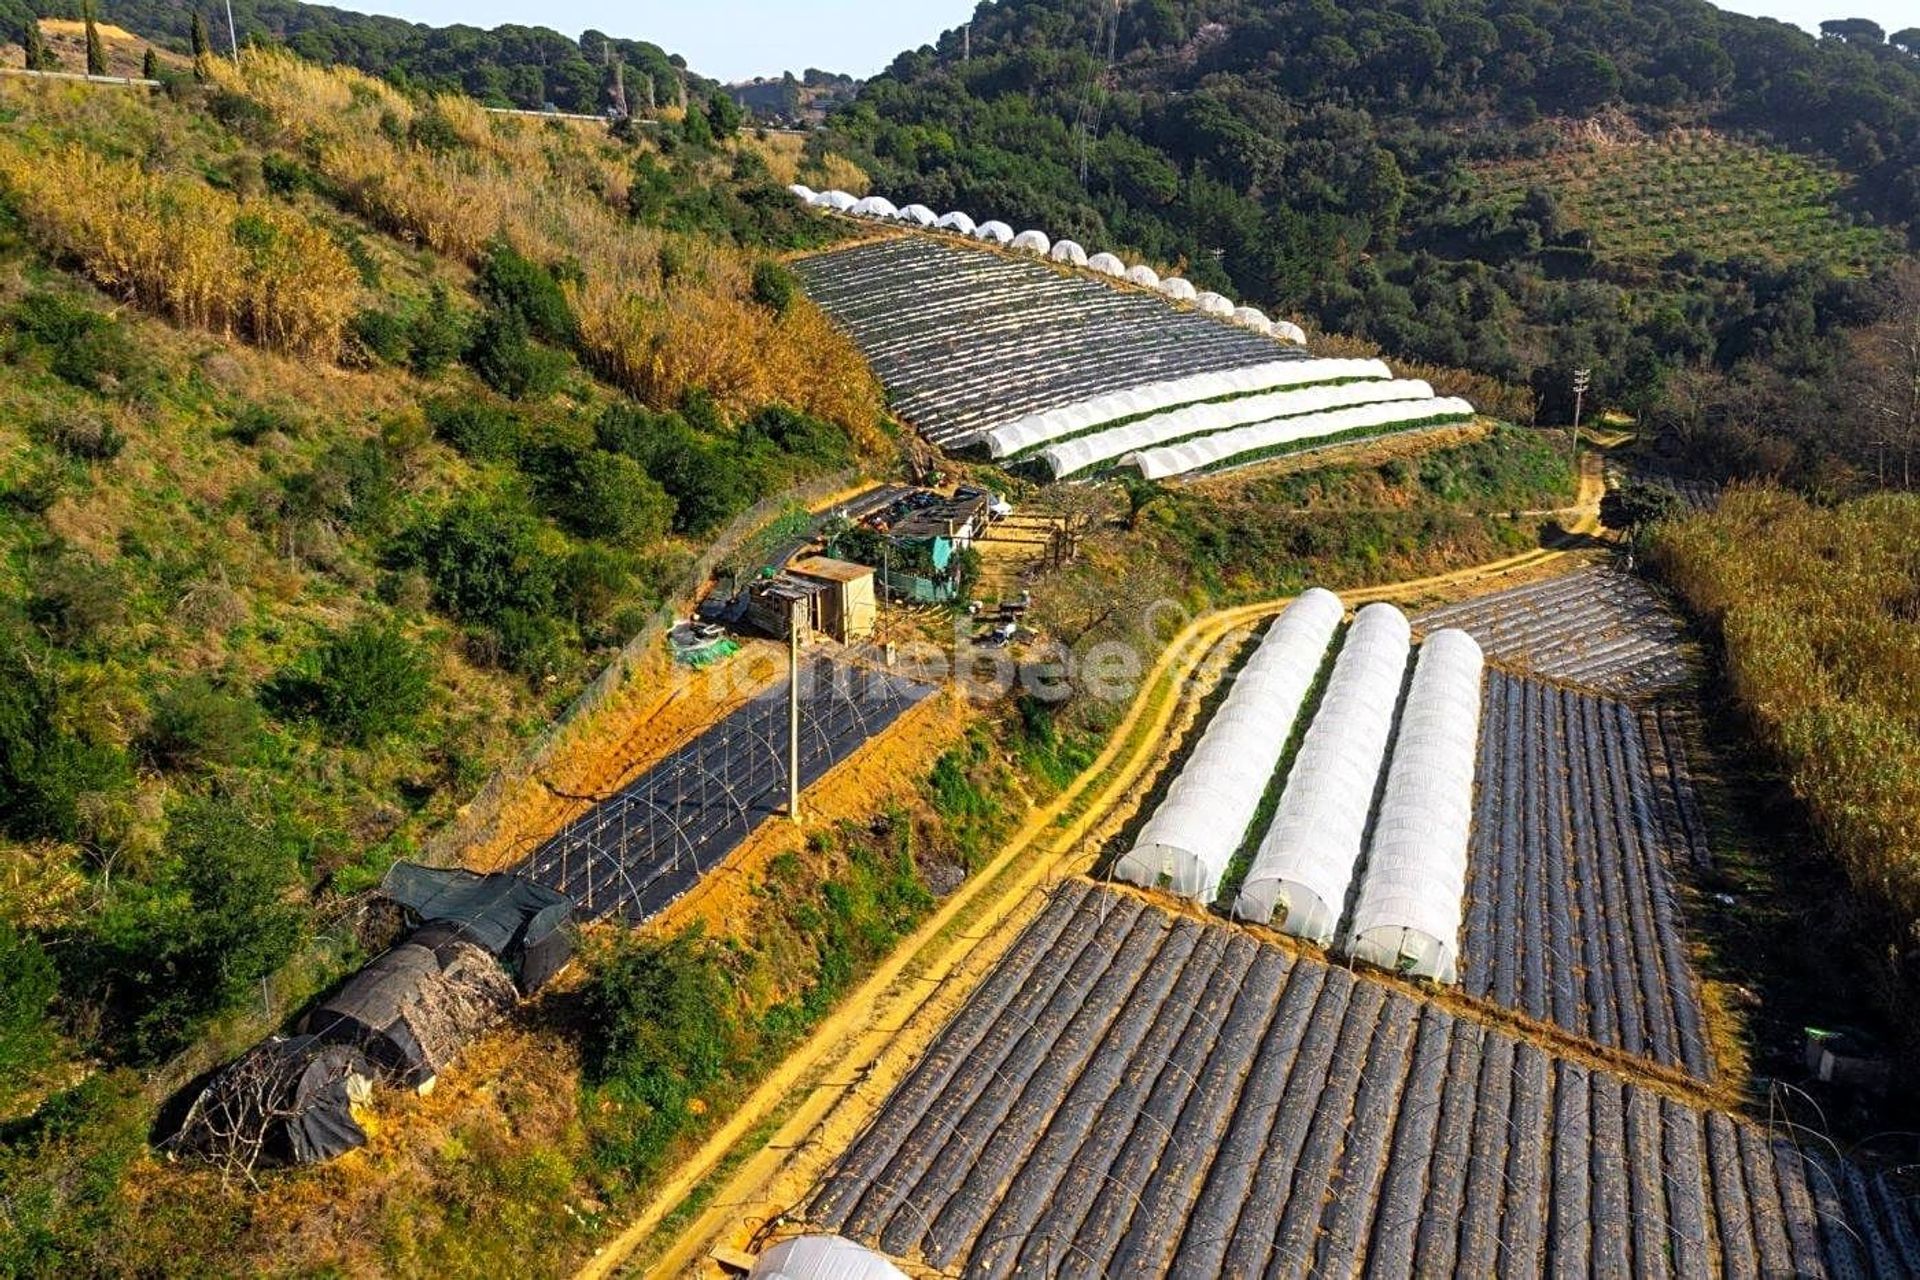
(739, 39)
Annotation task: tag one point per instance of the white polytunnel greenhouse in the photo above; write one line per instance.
(919, 215)
(1407, 916)
(1038, 428)
(1033, 242)
(1069, 252)
(822, 1258)
(839, 201)
(803, 191)
(1253, 318)
(1178, 289)
(955, 221)
(1107, 265)
(1261, 437)
(1143, 275)
(875, 207)
(1301, 873)
(1290, 331)
(1200, 823)
(997, 232)
(1214, 304)
(1083, 451)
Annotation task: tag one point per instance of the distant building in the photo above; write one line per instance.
(833, 598)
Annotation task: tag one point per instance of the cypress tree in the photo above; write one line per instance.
(96, 51)
(201, 42)
(36, 48)
(150, 66)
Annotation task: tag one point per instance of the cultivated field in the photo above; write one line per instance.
(647, 844)
(1133, 1093)
(1594, 627)
(1716, 196)
(1572, 915)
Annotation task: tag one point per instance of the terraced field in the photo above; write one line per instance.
(1572, 914)
(1717, 196)
(1594, 627)
(965, 339)
(1132, 1093)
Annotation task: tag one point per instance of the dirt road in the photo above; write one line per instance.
(749, 1171)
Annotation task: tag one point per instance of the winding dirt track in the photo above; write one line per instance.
(769, 1152)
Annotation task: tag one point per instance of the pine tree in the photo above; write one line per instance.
(150, 66)
(96, 51)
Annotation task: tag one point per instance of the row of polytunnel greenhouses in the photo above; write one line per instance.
(1053, 371)
(1408, 854)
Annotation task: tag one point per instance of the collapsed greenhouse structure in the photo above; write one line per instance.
(1046, 356)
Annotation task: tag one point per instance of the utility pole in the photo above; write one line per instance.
(793, 711)
(233, 36)
(966, 43)
(1582, 379)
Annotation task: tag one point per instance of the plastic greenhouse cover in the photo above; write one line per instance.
(876, 207)
(1194, 455)
(918, 214)
(1038, 428)
(1253, 318)
(1082, 452)
(998, 232)
(1214, 304)
(1107, 265)
(1143, 275)
(1200, 823)
(1178, 289)
(1305, 864)
(1069, 252)
(1290, 331)
(839, 200)
(822, 1258)
(1407, 916)
(1034, 242)
(956, 221)
(802, 191)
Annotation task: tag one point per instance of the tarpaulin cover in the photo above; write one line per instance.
(294, 1095)
(520, 922)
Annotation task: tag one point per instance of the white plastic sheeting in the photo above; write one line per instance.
(1253, 318)
(822, 1258)
(1199, 825)
(1305, 864)
(1407, 917)
(955, 221)
(997, 232)
(875, 207)
(803, 192)
(839, 201)
(1033, 242)
(1143, 275)
(1214, 304)
(1107, 265)
(1178, 289)
(1290, 331)
(1208, 451)
(1038, 428)
(1081, 452)
(919, 215)
(1069, 252)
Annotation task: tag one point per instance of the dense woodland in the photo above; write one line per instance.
(1328, 161)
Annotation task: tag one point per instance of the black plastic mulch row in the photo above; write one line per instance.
(639, 850)
(1131, 1092)
(1572, 914)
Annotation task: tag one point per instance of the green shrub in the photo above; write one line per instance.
(363, 683)
(595, 580)
(437, 335)
(529, 644)
(773, 285)
(283, 175)
(82, 435)
(798, 434)
(706, 484)
(478, 430)
(194, 725)
(255, 421)
(508, 361)
(83, 346)
(515, 284)
(382, 335)
(598, 494)
(62, 1169)
(170, 952)
(76, 602)
(27, 987)
(46, 769)
(484, 558)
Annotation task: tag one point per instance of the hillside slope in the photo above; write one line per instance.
(1330, 161)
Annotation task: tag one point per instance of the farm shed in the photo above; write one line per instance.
(519, 923)
(822, 1258)
(958, 520)
(285, 1101)
(845, 609)
(1407, 917)
(773, 603)
(1193, 834)
(1034, 429)
(417, 1005)
(1306, 862)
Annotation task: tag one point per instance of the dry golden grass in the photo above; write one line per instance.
(246, 268)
